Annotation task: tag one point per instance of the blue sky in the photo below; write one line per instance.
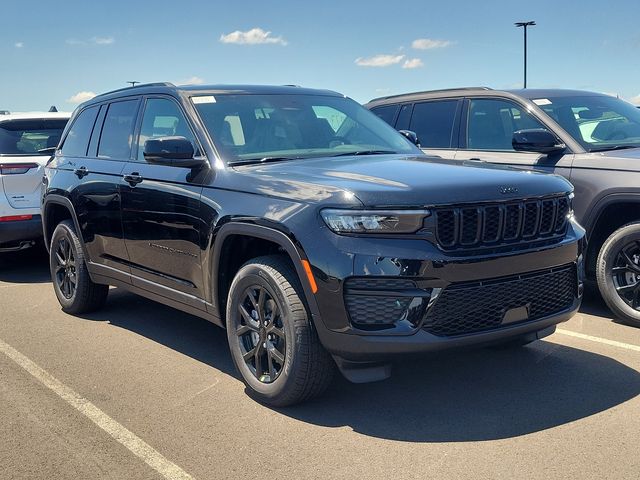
(55, 51)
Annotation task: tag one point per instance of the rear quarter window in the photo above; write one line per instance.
(77, 140)
(387, 113)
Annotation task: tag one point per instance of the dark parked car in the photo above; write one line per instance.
(591, 139)
(309, 228)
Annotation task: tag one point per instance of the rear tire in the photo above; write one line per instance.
(71, 281)
(273, 343)
(618, 273)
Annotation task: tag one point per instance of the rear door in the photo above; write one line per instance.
(161, 211)
(487, 130)
(21, 166)
(436, 122)
(95, 172)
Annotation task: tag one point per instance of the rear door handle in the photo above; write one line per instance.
(81, 172)
(133, 178)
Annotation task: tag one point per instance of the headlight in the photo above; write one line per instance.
(374, 221)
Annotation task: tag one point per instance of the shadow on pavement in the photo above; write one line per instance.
(465, 396)
(26, 266)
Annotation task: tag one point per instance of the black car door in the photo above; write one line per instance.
(95, 168)
(161, 211)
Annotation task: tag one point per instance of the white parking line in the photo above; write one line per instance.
(605, 341)
(128, 439)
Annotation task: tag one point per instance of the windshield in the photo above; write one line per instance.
(249, 127)
(27, 137)
(597, 122)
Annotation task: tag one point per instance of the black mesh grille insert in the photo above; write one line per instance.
(470, 308)
(470, 228)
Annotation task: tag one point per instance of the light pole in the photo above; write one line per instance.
(133, 83)
(524, 25)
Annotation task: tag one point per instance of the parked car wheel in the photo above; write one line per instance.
(618, 273)
(71, 282)
(273, 343)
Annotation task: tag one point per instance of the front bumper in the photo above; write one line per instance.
(18, 233)
(434, 272)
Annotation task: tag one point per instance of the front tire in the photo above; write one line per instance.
(71, 282)
(273, 343)
(618, 273)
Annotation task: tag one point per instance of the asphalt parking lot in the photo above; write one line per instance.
(142, 391)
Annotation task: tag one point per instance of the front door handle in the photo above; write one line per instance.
(133, 178)
(81, 172)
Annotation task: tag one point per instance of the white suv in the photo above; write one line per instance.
(26, 142)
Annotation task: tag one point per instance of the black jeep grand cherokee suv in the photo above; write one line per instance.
(309, 228)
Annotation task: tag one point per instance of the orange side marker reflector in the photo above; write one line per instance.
(312, 281)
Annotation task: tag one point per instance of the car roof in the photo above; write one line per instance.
(165, 87)
(528, 93)
(34, 116)
(531, 93)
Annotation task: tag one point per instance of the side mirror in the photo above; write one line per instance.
(411, 136)
(171, 151)
(539, 140)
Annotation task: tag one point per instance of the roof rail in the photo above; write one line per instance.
(431, 91)
(141, 85)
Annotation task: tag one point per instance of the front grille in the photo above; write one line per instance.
(491, 225)
(470, 308)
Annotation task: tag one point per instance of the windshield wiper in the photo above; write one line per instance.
(364, 152)
(614, 147)
(258, 161)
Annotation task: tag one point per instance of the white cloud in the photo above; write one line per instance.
(255, 36)
(18, 44)
(379, 60)
(191, 81)
(81, 97)
(635, 100)
(103, 40)
(93, 41)
(413, 63)
(429, 44)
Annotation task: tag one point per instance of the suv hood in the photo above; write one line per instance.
(625, 160)
(398, 180)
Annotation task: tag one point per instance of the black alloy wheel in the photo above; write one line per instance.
(261, 334)
(65, 267)
(626, 274)
(618, 273)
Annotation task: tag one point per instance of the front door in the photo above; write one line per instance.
(161, 212)
(487, 131)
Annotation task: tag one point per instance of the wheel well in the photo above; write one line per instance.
(54, 214)
(610, 219)
(235, 252)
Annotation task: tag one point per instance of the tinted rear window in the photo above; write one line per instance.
(117, 132)
(26, 137)
(76, 141)
(434, 122)
(387, 113)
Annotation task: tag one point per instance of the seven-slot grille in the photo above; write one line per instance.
(470, 227)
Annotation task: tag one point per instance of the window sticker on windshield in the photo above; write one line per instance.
(204, 99)
(542, 101)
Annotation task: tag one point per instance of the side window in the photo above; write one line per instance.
(404, 117)
(77, 140)
(163, 118)
(387, 113)
(117, 130)
(491, 123)
(434, 123)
